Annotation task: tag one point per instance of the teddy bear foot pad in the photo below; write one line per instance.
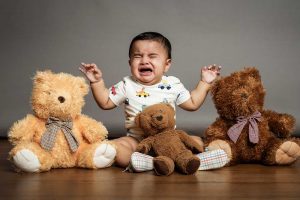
(27, 161)
(287, 153)
(104, 155)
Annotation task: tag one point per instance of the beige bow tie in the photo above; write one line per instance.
(53, 125)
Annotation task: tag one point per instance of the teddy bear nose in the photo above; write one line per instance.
(244, 95)
(61, 99)
(159, 118)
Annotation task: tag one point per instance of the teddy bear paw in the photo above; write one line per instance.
(287, 153)
(104, 155)
(27, 161)
(163, 165)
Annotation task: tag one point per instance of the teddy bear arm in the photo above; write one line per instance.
(92, 130)
(23, 130)
(280, 124)
(145, 145)
(189, 142)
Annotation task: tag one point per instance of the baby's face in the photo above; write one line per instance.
(148, 61)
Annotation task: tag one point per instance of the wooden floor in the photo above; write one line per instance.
(237, 182)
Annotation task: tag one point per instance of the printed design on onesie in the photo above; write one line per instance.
(142, 93)
(164, 85)
(113, 90)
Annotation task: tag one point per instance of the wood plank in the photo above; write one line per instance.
(237, 182)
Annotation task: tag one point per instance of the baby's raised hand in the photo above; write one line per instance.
(210, 73)
(91, 71)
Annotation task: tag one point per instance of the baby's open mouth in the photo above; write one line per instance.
(145, 69)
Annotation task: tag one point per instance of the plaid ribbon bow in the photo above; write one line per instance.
(53, 125)
(235, 131)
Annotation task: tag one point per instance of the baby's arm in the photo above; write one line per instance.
(198, 95)
(100, 92)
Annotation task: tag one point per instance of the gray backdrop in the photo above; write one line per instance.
(58, 35)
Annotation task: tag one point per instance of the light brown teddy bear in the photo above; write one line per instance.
(58, 135)
(172, 147)
(245, 130)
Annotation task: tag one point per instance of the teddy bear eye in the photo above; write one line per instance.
(242, 85)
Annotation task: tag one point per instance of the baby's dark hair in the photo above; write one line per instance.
(154, 36)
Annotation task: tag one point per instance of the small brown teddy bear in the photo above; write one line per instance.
(172, 147)
(58, 135)
(244, 130)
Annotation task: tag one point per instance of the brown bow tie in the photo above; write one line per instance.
(235, 131)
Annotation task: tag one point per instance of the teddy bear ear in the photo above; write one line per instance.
(253, 72)
(84, 88)
(215, 86)
(42, 76)
(170, 106)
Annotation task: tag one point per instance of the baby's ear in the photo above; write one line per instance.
(168, 65)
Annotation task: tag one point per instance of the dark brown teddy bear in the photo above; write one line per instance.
(172, 147)
(246, 131)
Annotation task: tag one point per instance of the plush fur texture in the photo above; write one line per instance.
(62, 96)
(173, 148)
(242, 94)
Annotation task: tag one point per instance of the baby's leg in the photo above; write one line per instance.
(211, 159)
(125, 147)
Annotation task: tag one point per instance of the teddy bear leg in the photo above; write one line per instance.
(225, 145)
(282, 152)
(30, 157)
(163, 165)
(187, 163)
(97, 156)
